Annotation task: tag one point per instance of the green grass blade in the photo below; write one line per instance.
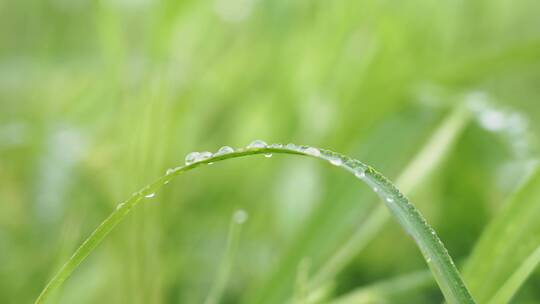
(302, 275)
(510, 287)
(391, 288)
(507, 251)
(434, 252)
(427, 160)
(216, 292)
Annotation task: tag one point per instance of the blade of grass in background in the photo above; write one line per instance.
(507, 251)
(383, 292)
(216, 292)
(431, 247)
(301, 288)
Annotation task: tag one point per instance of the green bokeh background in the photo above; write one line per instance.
(99, 98)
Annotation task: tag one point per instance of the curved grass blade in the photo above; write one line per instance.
(434, 252)
(426, 161)
(507, 251)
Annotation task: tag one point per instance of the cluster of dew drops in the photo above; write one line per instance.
(195, 157)
(334, 159)
(331, 157)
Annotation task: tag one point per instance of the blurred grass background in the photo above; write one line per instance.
(98, 98)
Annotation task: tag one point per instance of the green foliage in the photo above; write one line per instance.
(99, 97)
(508, 251)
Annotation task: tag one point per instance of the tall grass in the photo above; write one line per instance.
(98, 97)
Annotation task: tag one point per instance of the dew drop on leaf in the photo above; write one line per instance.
(312, 151)
(360, 173)
(335, 161)
(192, 157)
(257, 144)
(224, 150)
(204, 155)
(291, 146)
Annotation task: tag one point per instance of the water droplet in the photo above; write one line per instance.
(428, 260)
(224, 150)
(257, 144)
(291, 146)
(150, 195)
(335, 161)
(360, 173)
(192, 157)
(389, 199)
(312, 151)
(268, 155)
(492, 120)
(240, 216)
(276, 146)
(375, 189)
(169, 171)
(120, 205)
(166, 182)
(204, 155)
